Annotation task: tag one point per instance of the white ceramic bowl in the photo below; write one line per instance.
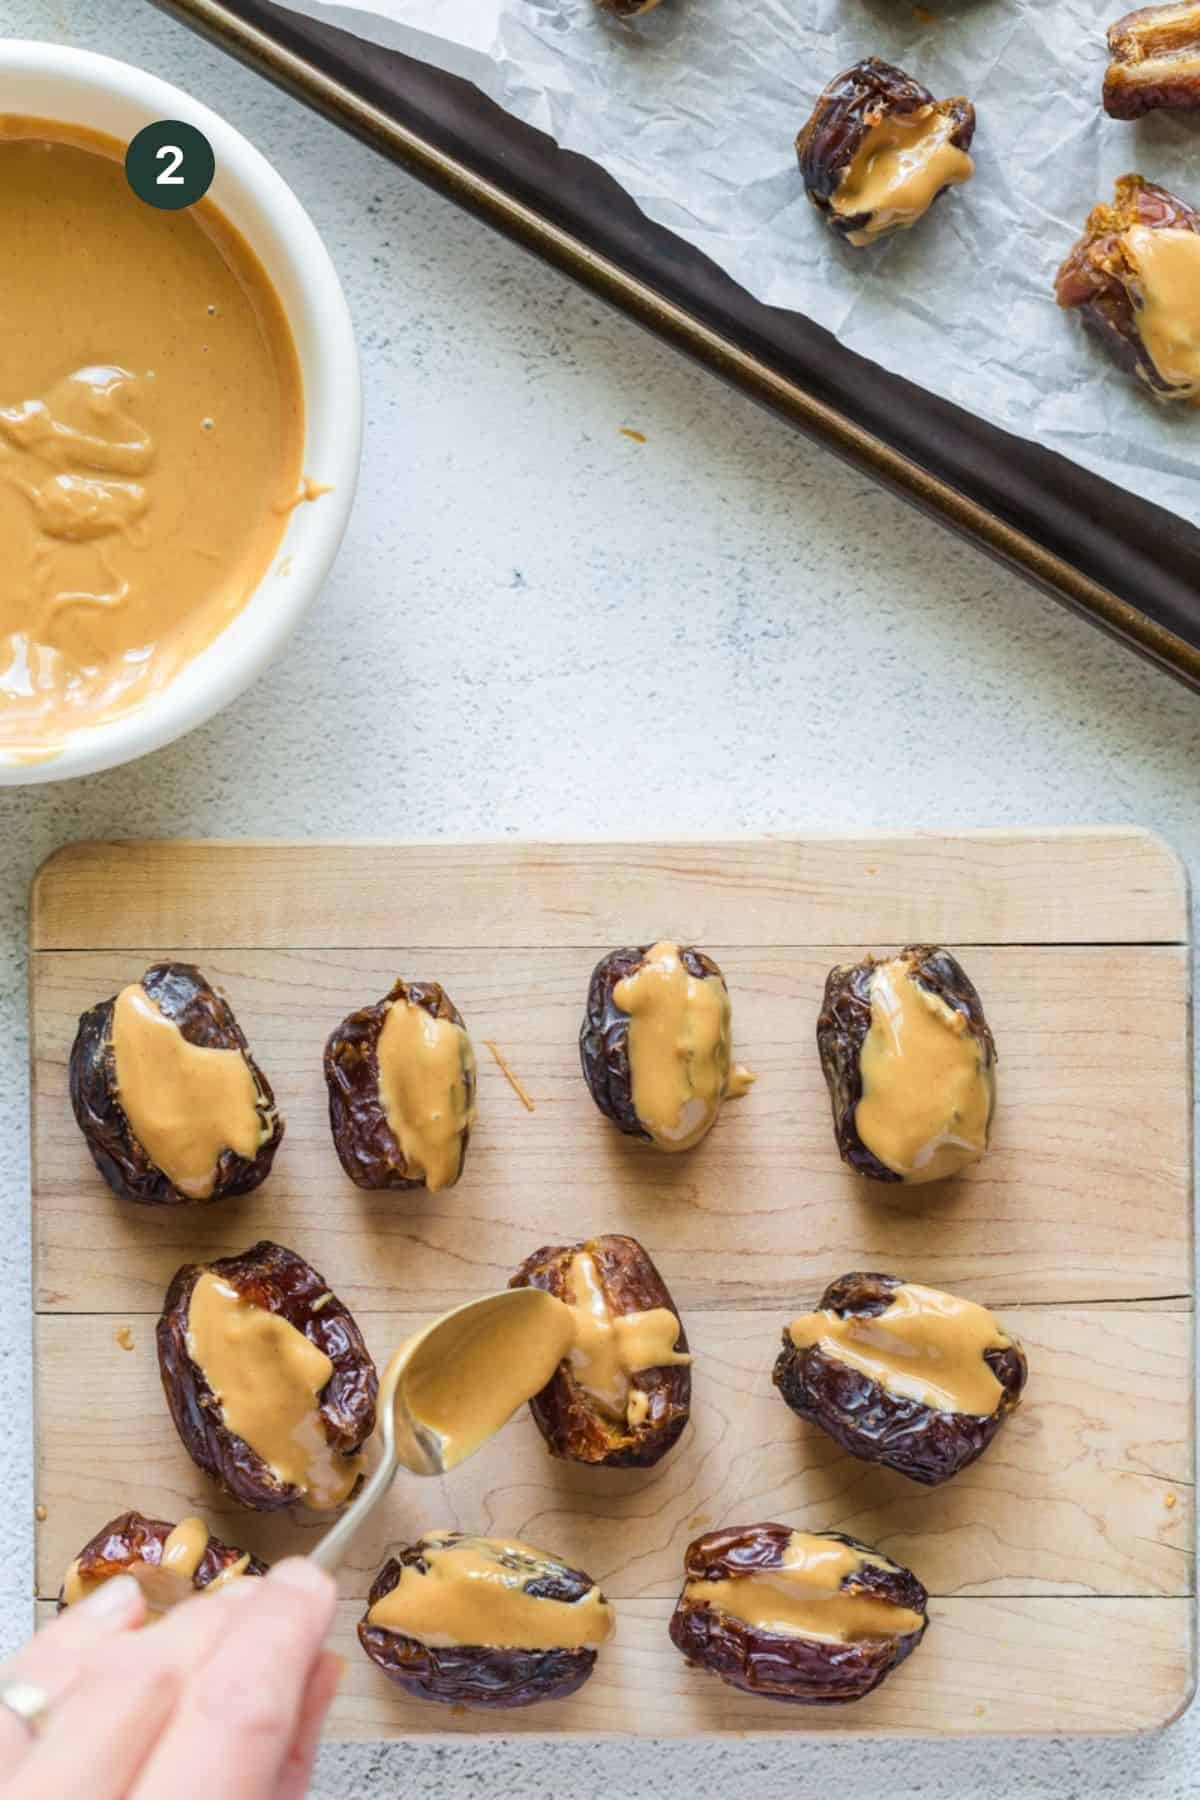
(48, 81)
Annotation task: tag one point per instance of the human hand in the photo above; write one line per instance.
(225, 1696)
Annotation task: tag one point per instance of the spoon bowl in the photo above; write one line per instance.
(451, 1388)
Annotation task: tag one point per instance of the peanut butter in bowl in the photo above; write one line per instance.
(152, 435)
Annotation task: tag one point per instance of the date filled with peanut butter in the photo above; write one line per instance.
(902, 1374)
(401, 1081)
(174, 1108)
(621, 1395)
(656, 1043)
(878, 150)
(151, 433)
(910, 1064)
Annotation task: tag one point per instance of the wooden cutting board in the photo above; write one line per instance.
(1061, 1565)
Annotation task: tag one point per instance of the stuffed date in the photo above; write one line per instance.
(170, 1562)
(174, 1108)
(1155, 61)
(902, 1375)
(656, 1043)
(623, 1393)
(268, 1380)
(910, 1062)
(805, 1616)
(878, 150)
(1134, 276)
(483, 1622)
(401, 1080)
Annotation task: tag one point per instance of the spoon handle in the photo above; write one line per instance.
(330, 1550)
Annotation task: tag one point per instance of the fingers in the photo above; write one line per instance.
(323, 1683)
(53, 1657)
(229, 1690)
(120, 1703)
(116, 1606)
(116, 1713)
(240, 1710)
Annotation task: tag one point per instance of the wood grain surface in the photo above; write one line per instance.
(1076, 1526)
(1002, 1666)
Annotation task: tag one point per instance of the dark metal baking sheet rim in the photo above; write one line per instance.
(1128, 566)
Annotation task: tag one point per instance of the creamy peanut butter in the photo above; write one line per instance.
(805, 1598)
(458, 1382)
(184, 1550)
(268, 1379)
(898, 171)
(927, 1088)
(927, 1346)
(151, 428)
(610, 1349)
(1168, 302)
(308, 490)
(472, 1592)
(679, 1048)
(233, 1572)
(165, 1583)
(426, 1076)
(510, 1075)
(185, 1103)
(75, 1586)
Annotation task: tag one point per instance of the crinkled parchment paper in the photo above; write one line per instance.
(694, 109)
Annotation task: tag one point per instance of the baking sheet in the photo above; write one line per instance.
(694, 109)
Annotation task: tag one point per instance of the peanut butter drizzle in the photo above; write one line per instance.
(804, 1597)
(75, 1588)
(309, 491)
(927, 1346)
(485, 1370)
(927, 1092)
(679, 1048)
(510, 1075)
(424, 1067)
(185, 1103)
(232, 1572)
(741, 1080)
(151, 425)
(184, 1550)
(1168, 313)
(609, 1349)
(165, 1583)
(466, 1596)
(268, 1379)
(898, 170)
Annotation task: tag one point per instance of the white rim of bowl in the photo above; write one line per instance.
(332, 400)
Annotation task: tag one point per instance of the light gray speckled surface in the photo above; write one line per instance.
(537, 626)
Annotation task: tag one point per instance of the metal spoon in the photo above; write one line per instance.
(450, 1388)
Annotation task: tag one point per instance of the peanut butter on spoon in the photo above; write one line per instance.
(451, 1387)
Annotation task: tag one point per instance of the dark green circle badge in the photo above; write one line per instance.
(170, 164)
